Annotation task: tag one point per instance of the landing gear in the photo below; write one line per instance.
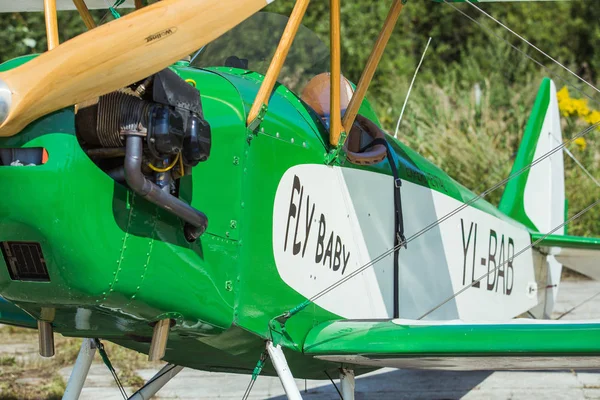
(347, 383)
(80, 370)
(283, 371)
(82, 367)
(157, 382)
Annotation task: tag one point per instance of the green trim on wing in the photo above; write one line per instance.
(458, 340)
(512, 199)
(567, 242)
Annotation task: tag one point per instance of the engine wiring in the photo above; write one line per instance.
(169, 167)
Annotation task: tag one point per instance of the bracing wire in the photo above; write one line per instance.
(580, 165)
(453, 296)
(532, 45)
(156, 377)
(533, 244)
(334, 385)
(476, 198)
(411, 86)
(563, 80)
(577, 306)
(450, 214)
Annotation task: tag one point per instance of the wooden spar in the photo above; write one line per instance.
(114, 55)
(335, 117)
(372, 63)
(87, 18)
(264, 93)
(138, 4)
(51, 23)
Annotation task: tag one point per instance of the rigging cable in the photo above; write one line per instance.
(580, 165)
(578, 305)
(574, 217)
(257, 369)
(369, 264)
(410, 88)
(110, 367)
(566, 82)
(439, 221)
(334, 385)
(531, 45)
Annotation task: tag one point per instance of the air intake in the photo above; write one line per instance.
(25, 261)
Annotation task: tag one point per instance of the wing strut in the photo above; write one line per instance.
(51, 23)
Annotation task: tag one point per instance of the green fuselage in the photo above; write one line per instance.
(117, 263)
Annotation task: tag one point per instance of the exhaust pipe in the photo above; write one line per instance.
(153, 193)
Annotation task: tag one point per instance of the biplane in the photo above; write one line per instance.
(180, 183)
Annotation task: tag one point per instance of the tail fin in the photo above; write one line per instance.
(536, 198)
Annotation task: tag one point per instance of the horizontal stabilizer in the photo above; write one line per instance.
(38, 5)
(578, 253)
(519, 344)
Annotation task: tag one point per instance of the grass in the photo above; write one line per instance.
(475, 137)
(46, 382)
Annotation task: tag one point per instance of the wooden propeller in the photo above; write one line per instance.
(114, 55)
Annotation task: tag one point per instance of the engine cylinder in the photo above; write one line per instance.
(101, 122)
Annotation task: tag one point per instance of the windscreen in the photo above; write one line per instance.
(252, 44)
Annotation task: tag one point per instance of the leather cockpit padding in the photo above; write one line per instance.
(352, 146)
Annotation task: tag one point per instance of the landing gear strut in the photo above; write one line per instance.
(82, 367)
(347, 383)
(283, 371)
(157, 382)
(80, 370)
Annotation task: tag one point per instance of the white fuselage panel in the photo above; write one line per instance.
(330, 221)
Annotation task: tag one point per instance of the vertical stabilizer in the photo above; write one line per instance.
(536, 198)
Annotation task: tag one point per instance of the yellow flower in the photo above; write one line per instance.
(581, 143)
(593, 117)
(581, 106)
(563, 94)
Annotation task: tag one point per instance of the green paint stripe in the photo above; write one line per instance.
(512, 199)
(570, 242)
(388, 338)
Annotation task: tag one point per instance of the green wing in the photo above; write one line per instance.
(519, 344)
(578, 253)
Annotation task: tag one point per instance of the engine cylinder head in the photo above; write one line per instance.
(100, 123)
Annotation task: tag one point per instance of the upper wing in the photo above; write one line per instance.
(38, 5)
(519, 344)
(578, 253)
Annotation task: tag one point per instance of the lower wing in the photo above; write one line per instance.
(453, 345)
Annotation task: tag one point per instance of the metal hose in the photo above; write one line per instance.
(150, 191)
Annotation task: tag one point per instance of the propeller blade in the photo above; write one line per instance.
(114, 55)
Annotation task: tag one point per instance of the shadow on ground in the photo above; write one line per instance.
(400, 384)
